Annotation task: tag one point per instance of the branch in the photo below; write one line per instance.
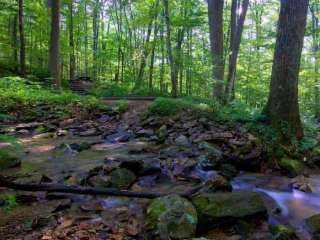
(60, 188)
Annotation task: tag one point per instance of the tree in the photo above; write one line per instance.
(22, 40)
(238, 15)
(54, 52)
(72, 63)
(215, 14)
(170, 51)
(282, 109)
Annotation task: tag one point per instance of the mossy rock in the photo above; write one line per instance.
(292, 166)
(9, 157)
(282, 232)
(216, 209)
(313, 224)
(172, 217)
(122, 178)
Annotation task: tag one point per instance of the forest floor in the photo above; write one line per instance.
(143, 152)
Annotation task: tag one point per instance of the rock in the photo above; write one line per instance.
(313, 224)
(89, 132)
(99, 181)
(145, 133)
(213, 153)
(121, 136)
(182, 141)
(291, 166)
(134, 166)
(28, 126)
(228, 171)
(282, 232)
(9, 157)
(23, 132)
(162, 133)
(217, 183)
(206, 164)
(172, 217)
(301, 184)
(122, 178)
(61, 133)
(216, 209)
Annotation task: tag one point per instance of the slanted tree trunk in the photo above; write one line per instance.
(215, 14)
(72, 63)
(282, 109)
(170, 51)
(238, 15)
(54, 53)
(22, 40)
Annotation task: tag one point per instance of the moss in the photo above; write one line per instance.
(219, 208)
(282, 232)
(313, 224)
(9, 157)
(292, 166)
(172, 216)
(122, 178)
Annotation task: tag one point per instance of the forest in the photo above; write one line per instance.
(160, 119)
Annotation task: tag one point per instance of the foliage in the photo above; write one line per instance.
(121, 106)
(10, 202)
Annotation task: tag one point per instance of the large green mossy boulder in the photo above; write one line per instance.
(171, 217)
(292, 166)
(122, 178)
(313, 224)
(9, 157)
(216, 209)
(282, 232)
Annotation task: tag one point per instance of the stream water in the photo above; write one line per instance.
(295, 206)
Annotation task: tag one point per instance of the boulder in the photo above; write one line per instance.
(122, 178)
(172, 217)
(162, 133)
(216, 209)
(313, 224)
(292, 166)
(9, 157)
(182, 140)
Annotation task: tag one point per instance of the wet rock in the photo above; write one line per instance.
(291, 166)
(172, 217)
(28, 126)
(313, 224)
(9, 157)
(206, 164)
(182, 140)
(212, 152)
(301, 184)
(121, 136)
(282, 232)
(217, 183)
(228, 171)
(216, 209)
(122, 178)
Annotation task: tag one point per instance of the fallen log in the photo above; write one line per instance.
(60, 188)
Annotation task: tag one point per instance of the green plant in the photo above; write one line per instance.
(10, 202)
(121, 106)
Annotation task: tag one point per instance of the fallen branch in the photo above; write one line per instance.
(59, 188)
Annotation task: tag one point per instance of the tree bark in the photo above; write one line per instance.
(72, 63)
(215, 14)
(54, 58)
(170, 51)
(22, 40)
(15, 42)
(237, 22)
(282, 109)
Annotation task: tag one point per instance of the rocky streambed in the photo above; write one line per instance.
(168, 155)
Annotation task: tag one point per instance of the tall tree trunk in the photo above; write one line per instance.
(315, 46)
(162, 58)
(54, 58)
(215, 14)
(15, 42)
(22, 40)
(282, 109)
(238, 15)
(169, 50)
(72, 64)
(95, 37)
